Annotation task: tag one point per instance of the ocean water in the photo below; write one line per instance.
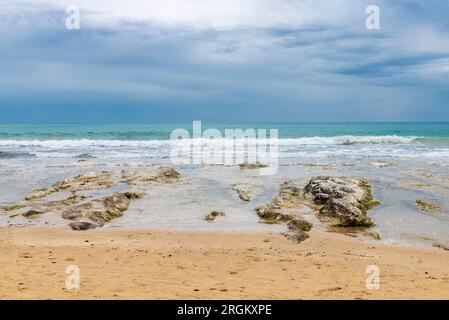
(402, 161)
(319, 140)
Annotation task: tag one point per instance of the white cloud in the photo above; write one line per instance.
(217, 14)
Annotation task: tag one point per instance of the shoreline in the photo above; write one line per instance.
(122, 263)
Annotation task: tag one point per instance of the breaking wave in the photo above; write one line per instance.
(336, 140)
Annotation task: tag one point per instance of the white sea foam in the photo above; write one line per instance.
(289, 148)
(82, 143)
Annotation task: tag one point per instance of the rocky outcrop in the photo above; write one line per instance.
(84, 206)
(103, 210)
(271, 213)
(90, 180)
(343, 199)
(340, 201)
(280, 210)
(213, 215)
(289, 196)
(243, 191)
(164, 175)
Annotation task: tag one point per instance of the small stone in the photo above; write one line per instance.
(33, 212)
(213, 215)
(82, 225)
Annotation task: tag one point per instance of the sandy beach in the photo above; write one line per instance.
(153, 232)
(151, 264)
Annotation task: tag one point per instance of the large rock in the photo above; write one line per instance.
(341, 198)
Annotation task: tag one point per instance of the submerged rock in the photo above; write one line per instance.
(85, 156)
(168, 175)
(81, 204)
(213, 215)
(252, 166)
(41, 193)
(164, 175)
(90, 180)
(344, 199)
(428, 207)
(243, 191)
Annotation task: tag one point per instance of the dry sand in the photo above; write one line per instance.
(150, 264)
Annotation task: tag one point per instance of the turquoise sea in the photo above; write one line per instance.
(426, 131)
(403, 162)
(316, 140)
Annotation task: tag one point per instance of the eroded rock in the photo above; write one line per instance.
(281, 210)
(82, 225)
(243, 191)
(299, 224)
(271, 213)
(341, 198)
(252, 166)
(213, 215)
(82, 205)
(428, 207)
(33, 212)
(164, 175)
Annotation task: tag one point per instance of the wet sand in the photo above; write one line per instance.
(119, 263)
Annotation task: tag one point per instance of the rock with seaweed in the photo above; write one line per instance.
(343, 199)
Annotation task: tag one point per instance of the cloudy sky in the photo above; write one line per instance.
(224, 61)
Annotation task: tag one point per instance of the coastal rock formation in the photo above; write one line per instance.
(281, 210)
(243, 191)
(271, 213)
(344, 199)
(341, 201)
(213, 215)
(289, 196)
(78, 198)
(164, 175)
(90, 180)
(100, 211)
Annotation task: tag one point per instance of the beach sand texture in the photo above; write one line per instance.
(151, 264)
